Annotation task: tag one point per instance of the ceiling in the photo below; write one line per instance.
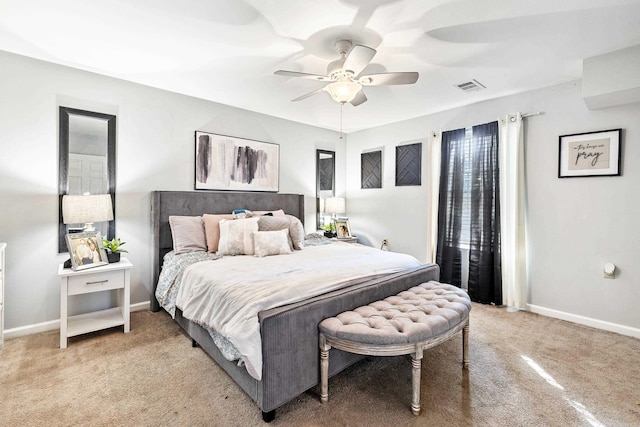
(227, 50)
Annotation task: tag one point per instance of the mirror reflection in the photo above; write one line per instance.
(87, 162)
(325, 182)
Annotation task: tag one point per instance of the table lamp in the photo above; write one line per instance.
(87, 209)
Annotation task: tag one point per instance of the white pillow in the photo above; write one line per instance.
(187, 233)
(271, 243)
(236, 236)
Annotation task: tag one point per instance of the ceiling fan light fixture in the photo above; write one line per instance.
(343, 91)
(344, 75)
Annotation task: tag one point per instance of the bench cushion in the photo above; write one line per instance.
(415, 315)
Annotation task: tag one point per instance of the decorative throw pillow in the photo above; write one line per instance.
(274, 223)
(242, 213)
(187, 233)
(296, 232)
(212, 230)
(236, 236)
(279, 212)
(271, 243)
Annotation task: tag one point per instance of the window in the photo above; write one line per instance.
(463, 151)
(468, 220)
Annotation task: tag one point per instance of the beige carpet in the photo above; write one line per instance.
(526, 370)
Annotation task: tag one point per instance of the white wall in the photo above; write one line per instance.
(155, 151)
(575, 225)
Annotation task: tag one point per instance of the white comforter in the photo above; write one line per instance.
(227, 294)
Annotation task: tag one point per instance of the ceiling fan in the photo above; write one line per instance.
(344, 75)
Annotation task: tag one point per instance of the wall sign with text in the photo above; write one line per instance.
(590, 154)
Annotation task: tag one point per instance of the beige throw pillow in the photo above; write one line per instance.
(187, 233)
(212, 230)
(236, 236)
(275, 223)
(296, 232)
(279, 212)
(271, 243)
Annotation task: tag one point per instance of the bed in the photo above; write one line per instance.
(288, 333)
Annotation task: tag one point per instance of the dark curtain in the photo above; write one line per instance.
(482, 213)
(448, 253)
(485, 278)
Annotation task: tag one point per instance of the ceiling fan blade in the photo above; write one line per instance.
(302, 75)
(358, 58)
(385, 79)
(306, 95)
(359, 98)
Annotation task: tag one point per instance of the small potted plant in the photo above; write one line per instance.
(329, 230)
(113, 248)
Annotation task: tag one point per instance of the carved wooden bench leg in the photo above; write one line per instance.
(416, 359)
(324, 370)
(465, 346)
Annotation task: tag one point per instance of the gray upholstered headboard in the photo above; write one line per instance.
(195, 203)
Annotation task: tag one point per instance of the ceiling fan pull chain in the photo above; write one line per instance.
(341, 106)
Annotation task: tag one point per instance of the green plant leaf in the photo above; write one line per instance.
(113, 245)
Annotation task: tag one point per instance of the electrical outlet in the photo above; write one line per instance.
(385, 241)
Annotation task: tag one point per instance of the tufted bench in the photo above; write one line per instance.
(408, 323)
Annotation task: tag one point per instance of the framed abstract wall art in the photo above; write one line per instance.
(409, 164)
(590, 154)
(371, 169)
(231, 163)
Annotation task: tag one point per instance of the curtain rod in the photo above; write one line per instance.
(512, 117)
(537, 113)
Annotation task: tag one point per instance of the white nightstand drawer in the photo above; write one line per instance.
(96, 282)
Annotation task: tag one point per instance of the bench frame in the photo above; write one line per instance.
(415, 349)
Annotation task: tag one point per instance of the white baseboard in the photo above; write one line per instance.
(556, 314)
(586, 321)
(53, 325)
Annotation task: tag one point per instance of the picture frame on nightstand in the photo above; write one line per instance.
(85, 250)
(343, 231)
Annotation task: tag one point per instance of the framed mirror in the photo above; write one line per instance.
(325, 181)
(87, 163)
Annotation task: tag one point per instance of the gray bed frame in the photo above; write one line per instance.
(291, 363)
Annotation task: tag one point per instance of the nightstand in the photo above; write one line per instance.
(109, 277)
(352, 239)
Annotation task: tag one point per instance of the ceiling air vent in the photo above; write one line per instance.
(471, 86)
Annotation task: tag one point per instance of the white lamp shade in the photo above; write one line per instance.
(86, 209)
(335, 205)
